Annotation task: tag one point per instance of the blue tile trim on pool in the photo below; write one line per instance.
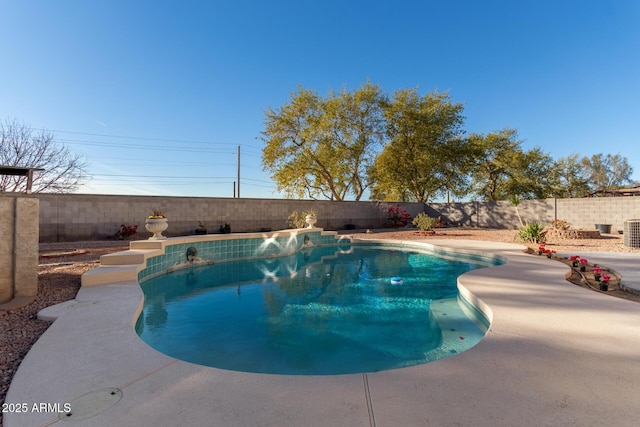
(234, 248)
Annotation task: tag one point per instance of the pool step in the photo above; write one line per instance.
(106, 274)
(137, 256)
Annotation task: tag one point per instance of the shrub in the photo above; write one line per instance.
(560, 224)
(532, 232)
(424, 222)
(125, 232)
(397, 216)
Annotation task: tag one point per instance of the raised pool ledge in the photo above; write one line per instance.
(149, 258)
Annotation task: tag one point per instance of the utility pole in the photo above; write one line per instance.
(238, 171)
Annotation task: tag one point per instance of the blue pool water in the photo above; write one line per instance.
(322, 311)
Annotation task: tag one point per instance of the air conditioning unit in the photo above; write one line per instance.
(632, 233)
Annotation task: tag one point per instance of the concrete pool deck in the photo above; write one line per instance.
(556, 354)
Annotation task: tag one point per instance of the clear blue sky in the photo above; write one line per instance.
(194, 78)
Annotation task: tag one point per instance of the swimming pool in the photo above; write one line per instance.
(322, 311)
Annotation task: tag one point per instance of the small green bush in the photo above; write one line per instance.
(298, 219)
(532, 232)
(424, 222)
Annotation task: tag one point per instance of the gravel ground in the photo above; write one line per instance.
(607, 243)
(61, 266)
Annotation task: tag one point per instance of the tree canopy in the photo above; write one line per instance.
(503, 169)
(324, 147)
(607, 172)
(23, 147)
(425, 140)
(570, 177)
(412, 147)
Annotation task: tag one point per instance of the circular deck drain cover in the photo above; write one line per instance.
(91, 404)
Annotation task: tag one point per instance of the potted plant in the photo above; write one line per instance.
(604, 285)
(350, 226)
(201, 229)
(583, 264)
(156, 223)
(603, 228)
(311, 218)
(596, 273)
(225, 229)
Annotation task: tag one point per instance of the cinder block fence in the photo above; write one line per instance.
(73, 217)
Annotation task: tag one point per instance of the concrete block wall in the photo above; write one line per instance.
(585, 213)
(581, 213)
(494, 214)
(18, 246)
(74, 217)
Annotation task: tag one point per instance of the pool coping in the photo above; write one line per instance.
(555, 354)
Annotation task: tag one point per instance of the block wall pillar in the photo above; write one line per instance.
(19, 231)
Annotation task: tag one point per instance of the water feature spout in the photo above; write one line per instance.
(306, 242)
(192, 255)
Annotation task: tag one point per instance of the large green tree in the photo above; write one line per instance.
(323, 147)
(503, 169)
(493, 154)
(572, 179)
(530, 175)
(607, 172)
(425, 151)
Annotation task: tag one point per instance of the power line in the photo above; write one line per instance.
(139, 165)
(123, 160)
(222, 147)
(164, 176)
(144, 138)
(253, 179)
(141, 137)
(143, 147)
(137, 183)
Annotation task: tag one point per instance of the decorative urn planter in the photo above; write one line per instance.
(311, 220)
(156, 226)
